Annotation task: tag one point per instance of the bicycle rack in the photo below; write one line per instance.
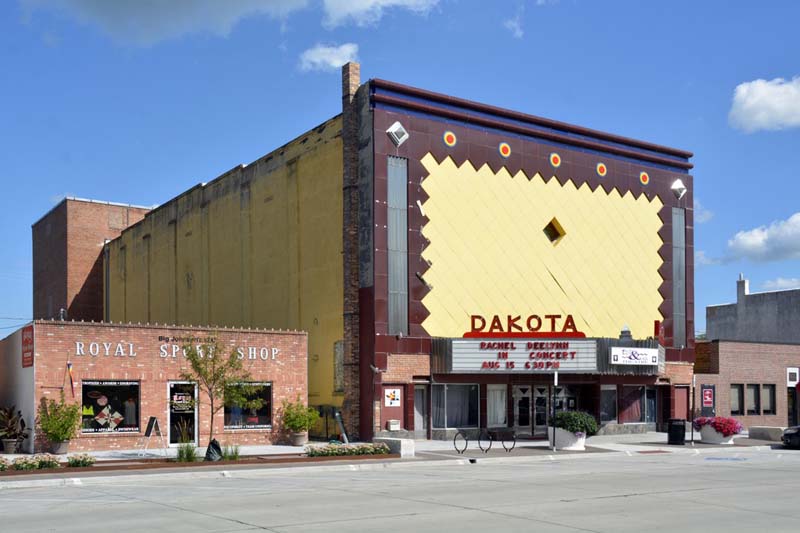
(455, 441)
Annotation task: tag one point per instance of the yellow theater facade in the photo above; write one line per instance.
(446, 259)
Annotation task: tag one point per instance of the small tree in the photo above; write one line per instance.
(220, 377)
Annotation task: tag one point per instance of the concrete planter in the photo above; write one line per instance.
(298, 438)
(59, 448)
(566, 440)
(709, 435)
(10, 445)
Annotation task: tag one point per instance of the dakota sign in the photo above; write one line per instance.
(524, 356)
(633, 356)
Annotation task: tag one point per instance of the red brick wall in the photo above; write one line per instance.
(67, 256)
(750, 363)
(55, 345)
(401, 368)
(50, 263)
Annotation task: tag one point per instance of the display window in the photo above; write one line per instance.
(110, 406)
(255, 409)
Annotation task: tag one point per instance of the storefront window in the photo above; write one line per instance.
(110, 406)
(455, 405)
(608, 403)
(638, 404)
(255, 412)
(496, 405)
(437, 402)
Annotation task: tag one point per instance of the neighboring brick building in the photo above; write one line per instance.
(756, 383)
(124, 373)
(752, 358)
(68, 245)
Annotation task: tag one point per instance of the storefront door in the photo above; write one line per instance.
(791, 403)
(182, 412)
(541, 398)
(522, 410)
(420, 412)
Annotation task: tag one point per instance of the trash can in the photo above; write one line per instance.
(676, 432)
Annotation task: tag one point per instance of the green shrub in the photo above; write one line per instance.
(187, 453)
(230, 453)
(4, 464)
(297, 417)
(80, 459)
(576, 422)
(59, 420)
(338, 450)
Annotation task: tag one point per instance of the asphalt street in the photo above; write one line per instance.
(731, 491)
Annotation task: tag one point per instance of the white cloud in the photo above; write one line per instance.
(779, 240)
(766, 105)
(780, 284)
(701, 259)
(367, 12)
(514, 25)
(323, 57)
(701, 214)
(146, 22)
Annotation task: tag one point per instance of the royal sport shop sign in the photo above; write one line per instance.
(520, 356)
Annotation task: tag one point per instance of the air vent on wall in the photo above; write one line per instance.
(397, 133)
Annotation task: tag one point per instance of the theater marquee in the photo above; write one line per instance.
(534, 356)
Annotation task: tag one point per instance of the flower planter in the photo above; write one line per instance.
(10, 445)
(566, 440)
(299, 438)
(709, 435)
(59, 448)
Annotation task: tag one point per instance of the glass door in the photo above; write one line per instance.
(522, 410)
(182, 412)
(420, 412)
(541, 399)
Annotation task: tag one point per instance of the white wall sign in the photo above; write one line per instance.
(524, 356)
(391, 397)
(792, 376)
(633, 356)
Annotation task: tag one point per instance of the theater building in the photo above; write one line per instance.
(122, 375)
(446, 257)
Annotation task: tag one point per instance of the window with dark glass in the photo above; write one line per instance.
(768, 399)
(752, 400)
(109, 406)
(255, 412)
(737, 399)
(608, 404)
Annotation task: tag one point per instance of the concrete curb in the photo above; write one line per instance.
(123, 477)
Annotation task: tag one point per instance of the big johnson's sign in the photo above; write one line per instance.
(167, 348)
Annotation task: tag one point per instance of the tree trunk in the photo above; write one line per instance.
(211, 431)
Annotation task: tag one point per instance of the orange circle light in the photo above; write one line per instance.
(644, 178)
(555, 160)
(449, 138)
(504, 149)
(602, 170)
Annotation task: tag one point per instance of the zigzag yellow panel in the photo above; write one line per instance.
(491, 256)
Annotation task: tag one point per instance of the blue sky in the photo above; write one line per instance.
(137, 101)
